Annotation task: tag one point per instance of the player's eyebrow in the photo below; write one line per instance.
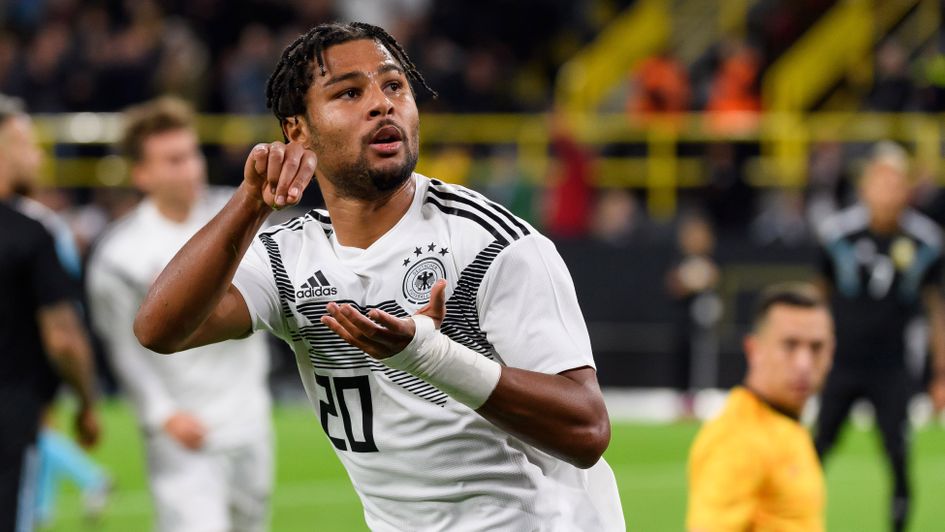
(388, 67)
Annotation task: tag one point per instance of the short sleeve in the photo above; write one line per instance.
(529, 311)
(725, 480)
(256, 284)
(49, 283)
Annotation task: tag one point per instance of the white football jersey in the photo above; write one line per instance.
(418, 459)
(223, 385)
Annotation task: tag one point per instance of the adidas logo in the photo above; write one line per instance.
(316, 286)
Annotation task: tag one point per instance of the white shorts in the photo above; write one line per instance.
(210, 490)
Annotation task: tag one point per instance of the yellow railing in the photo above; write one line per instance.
(524, 141)
(589, 78)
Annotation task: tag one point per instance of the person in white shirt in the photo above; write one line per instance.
(205, 416)
(439, 337)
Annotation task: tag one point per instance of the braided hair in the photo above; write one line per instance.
(286, 88)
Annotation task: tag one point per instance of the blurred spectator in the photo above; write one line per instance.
(734, 98)
(892, 90)
(692, 283)
(659, 86)
(728, 198)
(616, 217)
(67, 55)
(568, 207)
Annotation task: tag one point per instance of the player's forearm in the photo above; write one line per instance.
(196, 279)
(563, 415)
(68, 349)
(75, 367)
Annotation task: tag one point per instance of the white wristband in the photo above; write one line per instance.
(462, 373)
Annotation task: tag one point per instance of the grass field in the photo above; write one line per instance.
(313, 491)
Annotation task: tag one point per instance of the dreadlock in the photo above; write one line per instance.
(286, 88)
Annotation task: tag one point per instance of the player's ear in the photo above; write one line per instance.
(295, 129)
(748, 345)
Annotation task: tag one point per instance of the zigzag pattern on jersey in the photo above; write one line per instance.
(327, 351)
(320, 339)
(297, 223)
(283, 283)
(464, 203)
(462, 317)
(461, 323)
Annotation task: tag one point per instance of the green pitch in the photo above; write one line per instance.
(313, 491)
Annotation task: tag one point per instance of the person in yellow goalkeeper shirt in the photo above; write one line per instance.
(754, 467)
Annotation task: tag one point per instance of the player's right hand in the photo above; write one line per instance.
(278, 173)
(87, 427)
(186, 430)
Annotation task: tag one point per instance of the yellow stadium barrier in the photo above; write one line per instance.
(454, 147)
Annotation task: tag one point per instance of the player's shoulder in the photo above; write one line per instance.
(21, 225)
(39, 212)
(922, 228)
(476, 212)
(843, 223)
(735, 429)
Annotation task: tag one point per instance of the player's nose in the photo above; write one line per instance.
(379, 103)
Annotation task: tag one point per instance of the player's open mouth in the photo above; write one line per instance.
(387, 140)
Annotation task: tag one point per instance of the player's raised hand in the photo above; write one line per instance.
(278, 173)
(379, 334)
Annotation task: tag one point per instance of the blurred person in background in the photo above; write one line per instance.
(692, 282)
(659, 86)
(486, 416)
(881, 265)
(40, 329)
(205, 417)
(754, 467)
(20, 162)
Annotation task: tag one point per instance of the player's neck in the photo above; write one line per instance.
(883, 227)
(359, 223)
(790, 412)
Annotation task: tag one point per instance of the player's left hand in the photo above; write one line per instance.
(937, 393)
(379, 334)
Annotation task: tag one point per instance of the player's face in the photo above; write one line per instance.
(790, 354)
(363, 120)
(21, 153)
(172, 168)
(886, 192)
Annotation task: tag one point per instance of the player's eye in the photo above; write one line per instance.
(395, 86)
(349, 93)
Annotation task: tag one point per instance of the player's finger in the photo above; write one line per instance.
(303, 176)
(359, 325)
(368, 347)
(438, 297)
(256, 161)
(290, 167)
(392, 323)
(436, 307)
(274, 164)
